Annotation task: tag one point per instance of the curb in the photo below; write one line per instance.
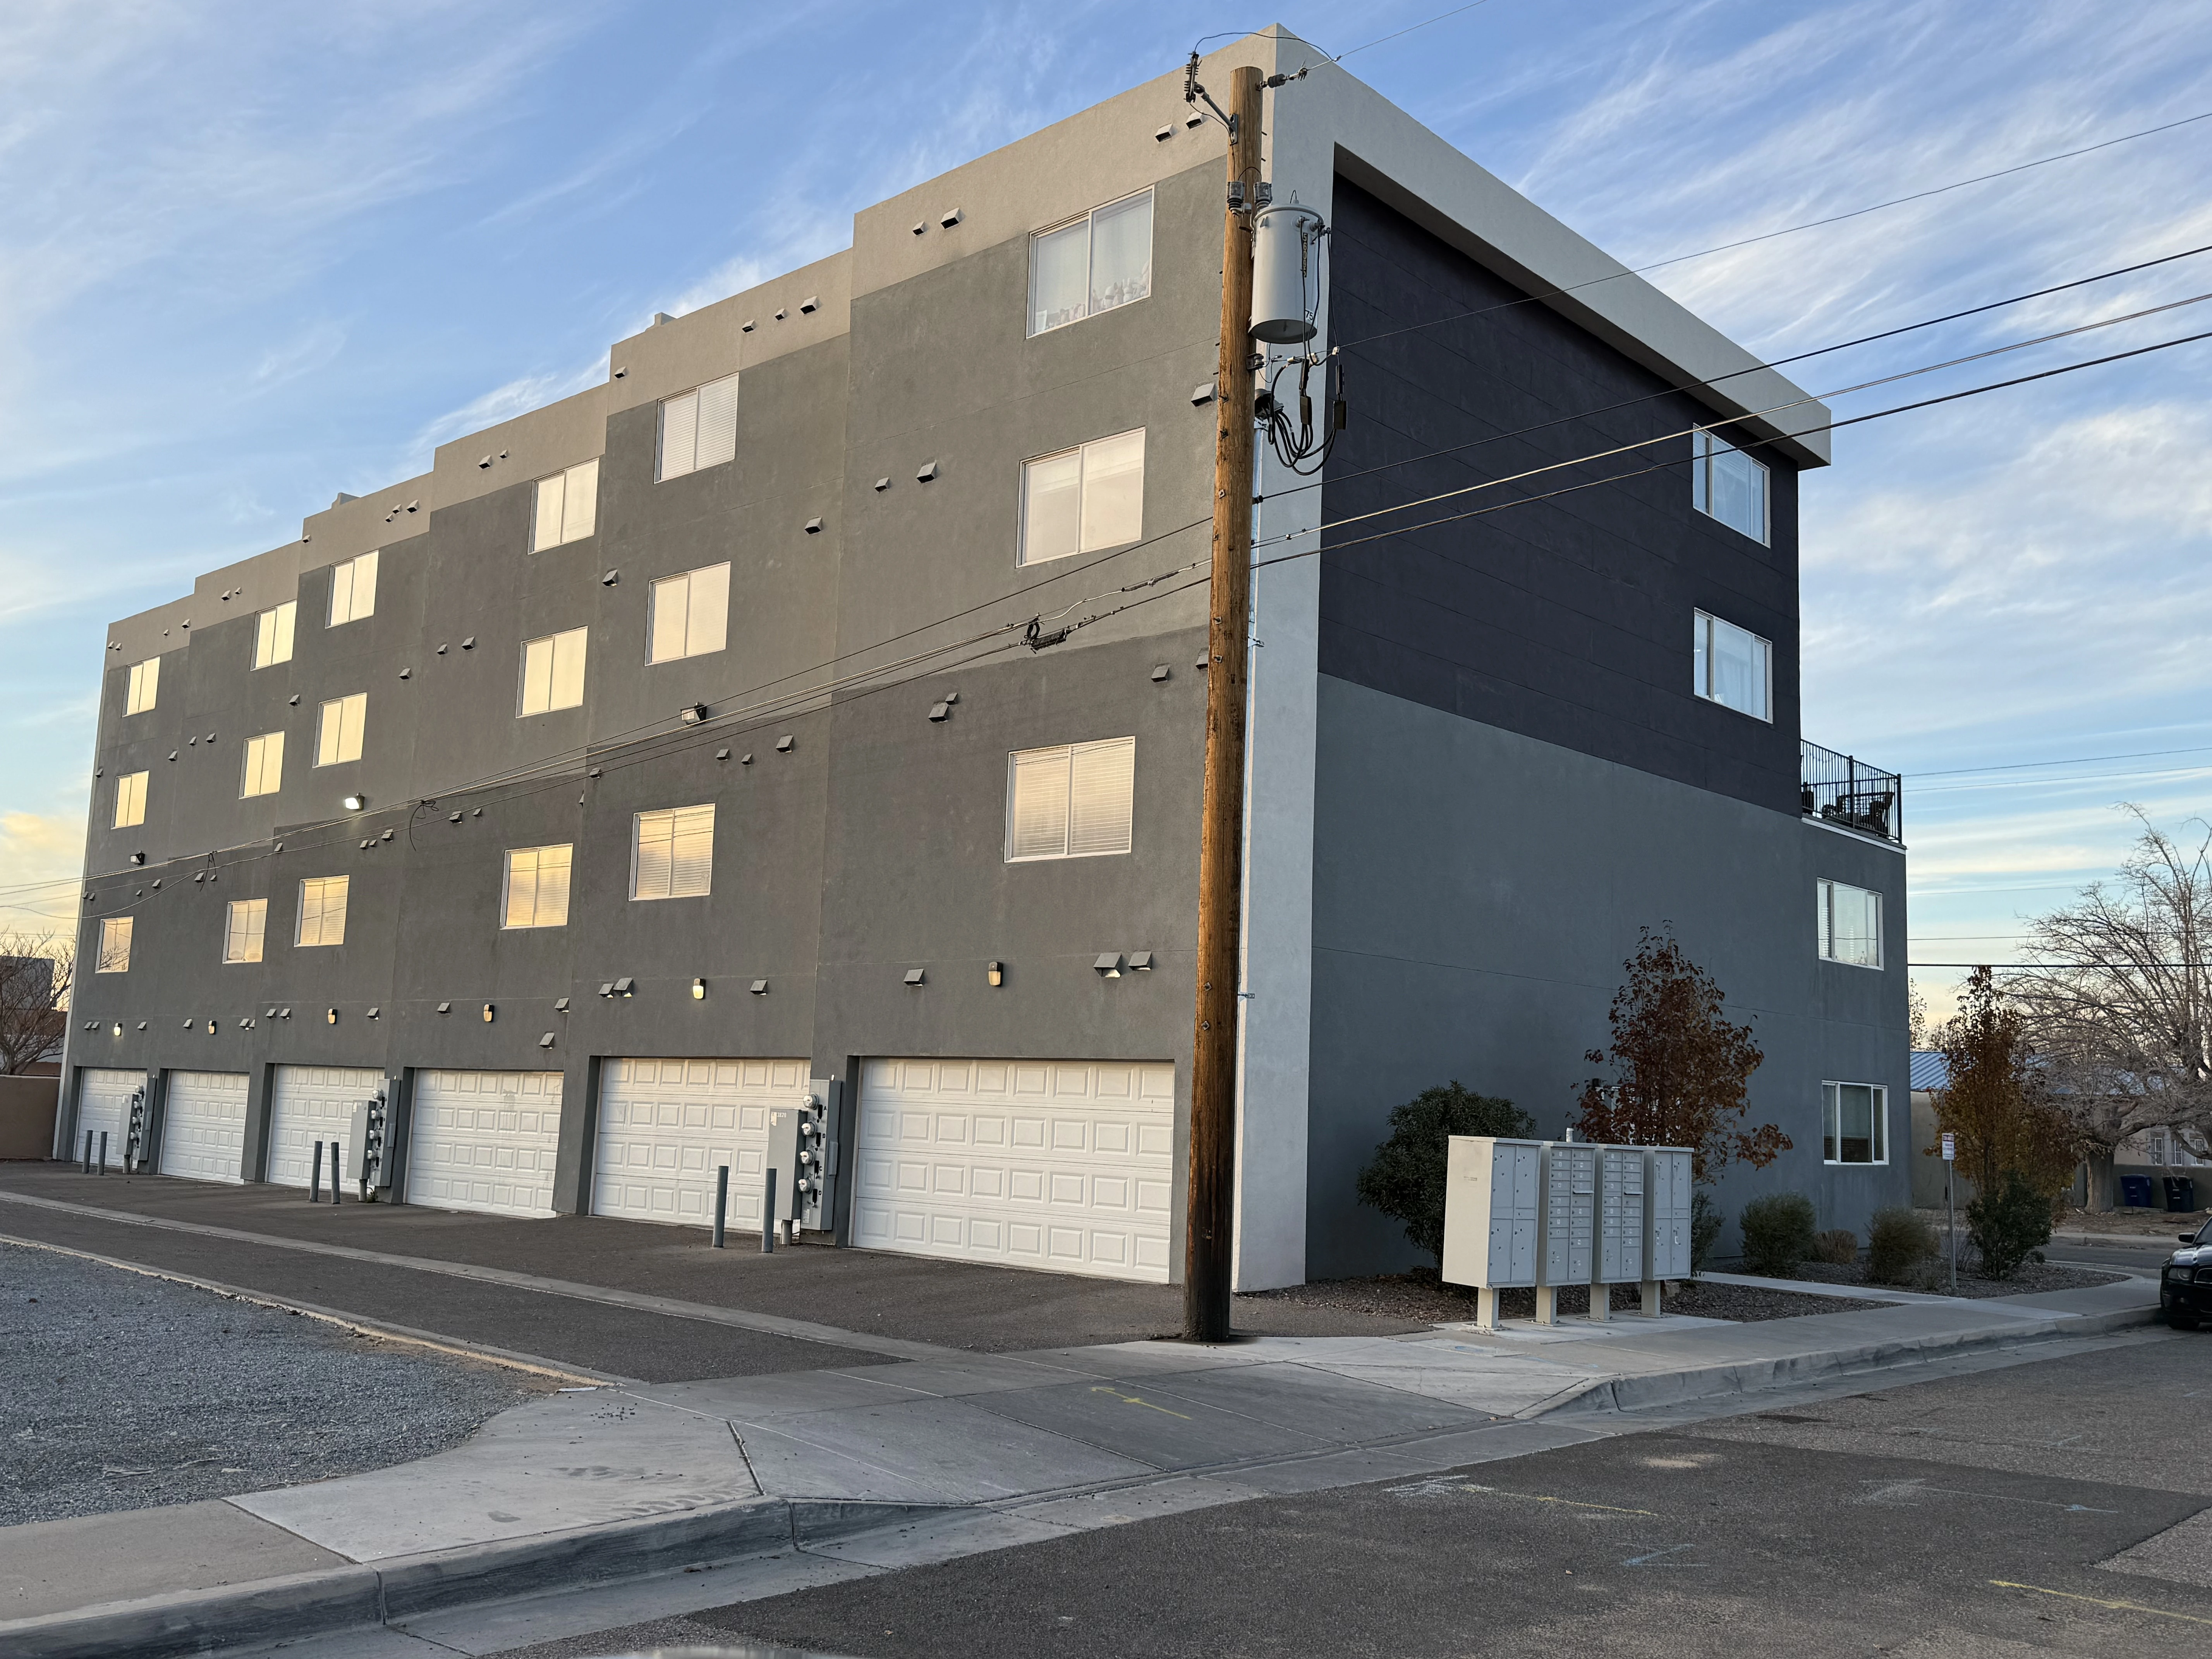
(269, 1610)
(1631, 1394)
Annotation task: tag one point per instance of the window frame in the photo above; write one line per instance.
(536, 887)
(1087, 218)
(145, 682)
(1832, 1135)
(1023, 559)
(523, 711)
(300, 939)
(653, 613)
(567, 478)
(637, 840)
(113, 930)
(257, 931)
(245, 766)
(278, 625)
(124, 786)
(1824, 914)
(353, 584)
(697, 395)
(1704, 628)
(322, 713)
(1707, 448)
(1014, 759)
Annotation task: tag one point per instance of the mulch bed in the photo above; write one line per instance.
(1421, 1299)
(2031, 1276)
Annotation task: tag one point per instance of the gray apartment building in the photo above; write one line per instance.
(788, 717)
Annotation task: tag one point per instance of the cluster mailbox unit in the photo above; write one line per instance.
(1545, 1213)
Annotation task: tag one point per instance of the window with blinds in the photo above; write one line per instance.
(699, 429)
(1071, 802)
(131, 800)
(552, 672)
(689, 615)
(244, 924)
(322, 910)
(1850, 924)
(145, 682)
(672, 853)
(353, 590)
(338, 729)
(264, 765)
(1097, 263)
(568, 506)
(114, 956)
(537, 887)
(272, 634)
(1084, 499)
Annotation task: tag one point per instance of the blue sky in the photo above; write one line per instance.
(254, 255)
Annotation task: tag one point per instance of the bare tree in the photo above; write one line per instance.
(36, 971)
(1998, 1101)
(2119, 1003)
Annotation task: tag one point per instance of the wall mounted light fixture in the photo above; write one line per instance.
(1109, 965)
(489, 1012)
(994, 973)
(355, 803)
(698, 990)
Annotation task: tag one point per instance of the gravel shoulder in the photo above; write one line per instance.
(120, 1391)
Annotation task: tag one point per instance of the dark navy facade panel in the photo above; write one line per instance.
(1566, 619)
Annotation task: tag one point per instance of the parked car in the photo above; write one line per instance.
(2185, 1288)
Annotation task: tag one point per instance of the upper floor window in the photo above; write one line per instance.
(338, 728)
(145, 682)
(322, 910)
(690, 615)
(272, 634)
(699, 427)
(1728, 484)
(1853, 1129)
(114, 956)
(353, 590)
(536, 887)
(131, 800)
(1850, 924)
(553, 672)
(672, 853)
(244, 924)
(1084, 499)
(264, 772)
(568, 506)
(1090, 265)
(1733, 666)
(1070, 802)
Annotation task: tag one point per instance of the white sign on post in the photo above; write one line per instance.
(1950, 1148)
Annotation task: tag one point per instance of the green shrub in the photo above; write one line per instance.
(1839, 1247)
(1406, 1181)
(1897, 1242)
(2008, 1225)
(1706, 1220)
(1777, 1233)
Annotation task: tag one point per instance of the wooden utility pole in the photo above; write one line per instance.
(1206, 1256)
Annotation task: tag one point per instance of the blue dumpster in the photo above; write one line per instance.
(2134, 1192)
(2180, 1195)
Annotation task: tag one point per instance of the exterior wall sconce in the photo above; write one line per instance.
(373, 1012)
(995, 974)
(445, 1007)
(914, 976)
(488, 1013)
(211, 1027)
(698, 990)
(561, 1005)
(693, 714)
(1141, 962)
(545, 1042)
(355, 803)
(1109, 965)
(118, 1028)
(760, 987)
(625, 987)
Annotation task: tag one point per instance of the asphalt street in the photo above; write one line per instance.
(1967, 1516)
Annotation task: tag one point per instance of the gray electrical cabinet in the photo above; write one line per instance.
(1620, 1215)
(1667, 1210)
(802, 1150)
(1491, 1211)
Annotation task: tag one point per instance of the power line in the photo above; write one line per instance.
(1412, 28)
(2078, 759)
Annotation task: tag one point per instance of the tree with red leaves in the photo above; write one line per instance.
(1680, 1070)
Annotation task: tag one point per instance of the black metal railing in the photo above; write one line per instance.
(1844, 790)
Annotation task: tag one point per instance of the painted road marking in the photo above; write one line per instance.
(1439, 1487)
(2098, 1601)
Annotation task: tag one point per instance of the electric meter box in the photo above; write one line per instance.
(1570, 1183)
(1620, 1214)
(1667, 1192)
(1491, 1211)
(368, 1148)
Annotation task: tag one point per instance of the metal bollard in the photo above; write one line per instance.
(85, 1167)
(721, 1200)
(336, 1165)
(768, 1212)
(103, 1151)
(315, 1178)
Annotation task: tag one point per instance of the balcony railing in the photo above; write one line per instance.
(1841, 789)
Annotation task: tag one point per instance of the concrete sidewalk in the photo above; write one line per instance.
(960, 1451)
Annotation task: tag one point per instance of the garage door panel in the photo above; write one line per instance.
(103, 1106)
(1061, 1164)
(204, 1126)
(484, 1140)
(310, 1103)
(667, 1125)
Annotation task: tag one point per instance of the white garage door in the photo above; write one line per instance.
(665, 1126)
(484, 1140)
(103, 1104)
(312, 1103)
(204, 1125)
(1067, 1165)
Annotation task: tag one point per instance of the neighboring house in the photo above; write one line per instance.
(537, 808)
(1930, 1072)
(32, 1030)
